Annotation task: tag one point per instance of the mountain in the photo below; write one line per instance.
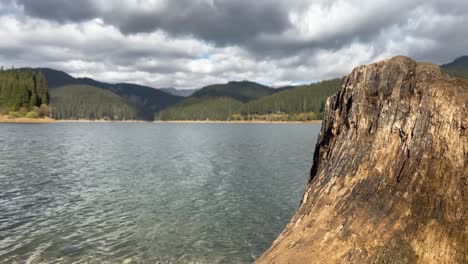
(297, 99)
(284, 88)
(457, 68)
(388, 181)
(222, 102)
(177, 92)
(215, 102)
(147, 99)
(243, 91)
(151, 99)
(90, 102)
(193, 108)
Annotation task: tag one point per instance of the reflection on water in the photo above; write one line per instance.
(174, 193)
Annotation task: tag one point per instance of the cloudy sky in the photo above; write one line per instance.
(191, 43)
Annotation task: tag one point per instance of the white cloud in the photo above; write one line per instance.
(323, 39)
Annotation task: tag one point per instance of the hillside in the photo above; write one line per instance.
(177, 92)
(301, 99)
(221, 102)
(89, 102)
(243, 91)
(147, 99)
(457, 68)
(24, 91)
(388, 181)
(284, 88)
(215, 102)
(220, 108)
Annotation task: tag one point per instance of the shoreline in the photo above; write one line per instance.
(98, 121)
(239, 122)
(24, 120)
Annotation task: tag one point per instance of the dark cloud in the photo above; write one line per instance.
(222, 22)
(190, 43)
(219, 21)
(264, 27)
(59, 10)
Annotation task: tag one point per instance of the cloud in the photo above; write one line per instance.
(191, 43)
(224, 21)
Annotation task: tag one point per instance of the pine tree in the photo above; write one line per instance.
(22, 89)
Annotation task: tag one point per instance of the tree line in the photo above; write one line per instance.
(23, 92)
(301, 103)
(89, 102)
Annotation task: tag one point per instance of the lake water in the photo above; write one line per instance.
(173, 193)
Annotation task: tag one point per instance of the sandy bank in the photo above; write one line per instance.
(6, 119)
(25, 120)
(99, 121)
(241, 122)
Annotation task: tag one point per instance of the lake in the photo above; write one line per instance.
(167, 192)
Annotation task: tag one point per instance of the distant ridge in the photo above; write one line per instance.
(457, 68)
(148, 100)
(243, 91)
(179, 92)
(216, 102)
(247, 100)
(458, 63)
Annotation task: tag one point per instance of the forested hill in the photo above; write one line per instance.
(181, 92)
(215, 102)
(89, 102)
(242, 91)
(23, 93)
(302, 99)
(457, 68)
(209, 108)
(148, 100)
(299, 103)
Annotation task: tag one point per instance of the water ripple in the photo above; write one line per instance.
(167, 193)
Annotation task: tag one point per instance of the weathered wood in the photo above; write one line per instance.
(389, 179)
